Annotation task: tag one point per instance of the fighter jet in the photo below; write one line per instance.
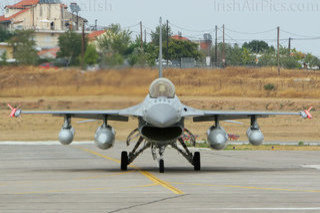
(161, 123)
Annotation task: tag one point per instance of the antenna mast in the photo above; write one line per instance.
(160, 50)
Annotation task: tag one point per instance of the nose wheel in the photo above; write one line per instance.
(161, 166)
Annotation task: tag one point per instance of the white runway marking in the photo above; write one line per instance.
(269, 209)
(312, 166)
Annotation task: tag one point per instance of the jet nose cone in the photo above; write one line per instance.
(162, 115)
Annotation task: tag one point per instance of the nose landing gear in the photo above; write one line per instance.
(159, 157)
(161, 166)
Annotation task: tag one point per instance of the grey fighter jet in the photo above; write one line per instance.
(161, 117)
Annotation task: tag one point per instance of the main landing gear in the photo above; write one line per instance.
(194, 159)
(124, 161)
(127, 159)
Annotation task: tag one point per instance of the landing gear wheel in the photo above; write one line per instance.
(124, 161)
(161, 166)
(196, 161)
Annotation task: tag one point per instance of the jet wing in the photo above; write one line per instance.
(115, 115)
(206, 115)
(110, 114)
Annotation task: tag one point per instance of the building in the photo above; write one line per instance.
(180, 37)
(94, 36)
(48, 18)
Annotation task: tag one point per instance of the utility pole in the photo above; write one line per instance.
(167, 43)
(160, 50)
(141, 35)
(77, 20)
(96, 25)
(278, 51)
(83, 46)
(216, 48)
(289, 46)
(145, 35)
(223, 49)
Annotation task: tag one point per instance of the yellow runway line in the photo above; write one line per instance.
(246, 187)
(161, 182)
(151, 177)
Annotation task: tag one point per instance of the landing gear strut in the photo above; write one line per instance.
(159, 157)
(193, 159)
(128, 159)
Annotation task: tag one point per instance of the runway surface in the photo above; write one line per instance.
(82, 178)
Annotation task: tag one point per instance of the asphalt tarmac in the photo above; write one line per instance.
(39, 177)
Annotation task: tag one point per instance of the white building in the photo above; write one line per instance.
(48, 18)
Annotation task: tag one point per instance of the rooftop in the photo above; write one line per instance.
(22, 4)
(93, 35)
(178, 37)
(4, 19)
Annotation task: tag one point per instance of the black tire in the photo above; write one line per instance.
(161, 166)
(124, 161)
(197, 161)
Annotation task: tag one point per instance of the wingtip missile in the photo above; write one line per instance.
(307, 113)
(15, 112)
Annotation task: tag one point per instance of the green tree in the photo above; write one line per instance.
(5, 35)
(182, 49)
(151, 53)
(70, 44)
(115, 45)
(116, 40)
(138, 57)
(256, 46)
(312, 61)
(114, 59)
(247, 58)
(4, 58)
(268, 59)
(289, 62)
(233, 54)
(23, 47)
(155, 36)
(91, 56)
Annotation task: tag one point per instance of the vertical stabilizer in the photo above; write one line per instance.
(160, 51)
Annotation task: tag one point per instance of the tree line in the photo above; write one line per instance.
(116, 47)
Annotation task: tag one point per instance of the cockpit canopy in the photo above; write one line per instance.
(162, 87)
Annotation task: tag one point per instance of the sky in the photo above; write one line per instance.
(244, 20)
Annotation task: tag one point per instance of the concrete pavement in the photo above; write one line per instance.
(82, 178)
